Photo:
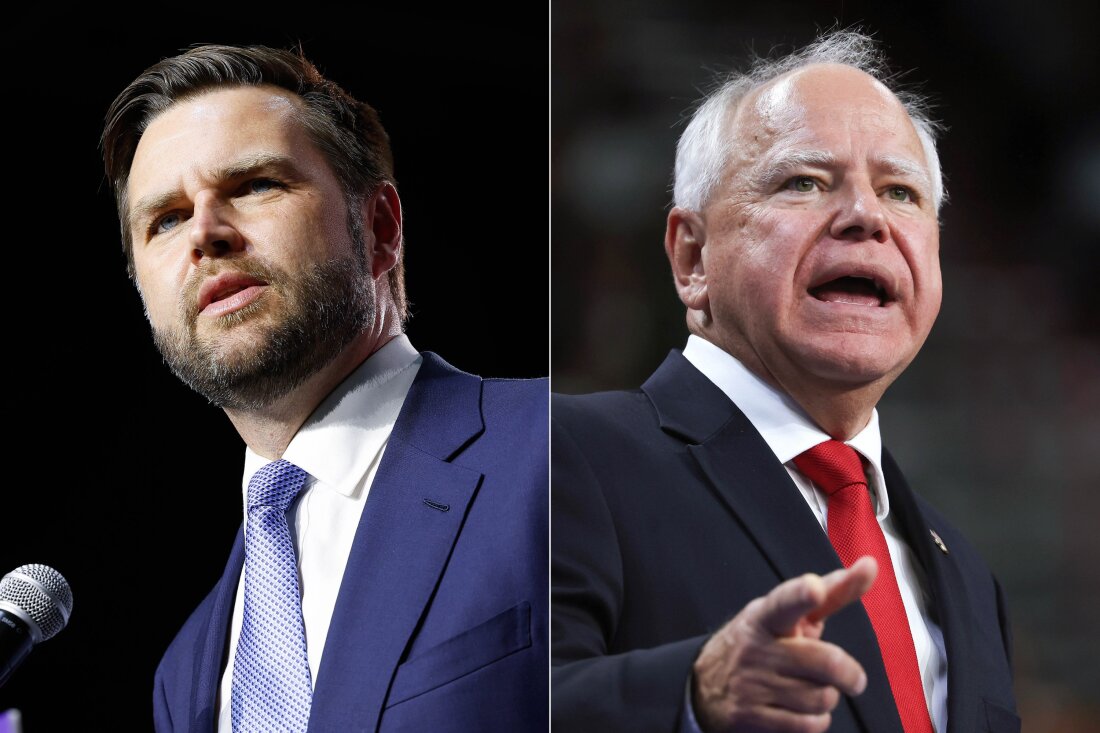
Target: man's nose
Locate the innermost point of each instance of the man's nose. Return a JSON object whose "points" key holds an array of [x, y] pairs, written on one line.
{"points": [[212, 232], [861, 215]]}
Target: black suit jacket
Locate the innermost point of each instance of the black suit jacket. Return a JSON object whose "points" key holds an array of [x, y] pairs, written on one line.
{"points": [[670, 513]]}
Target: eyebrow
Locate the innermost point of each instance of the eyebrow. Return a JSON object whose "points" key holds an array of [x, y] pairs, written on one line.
{"points": [[899, 166], [251, 164], [785, 162], [791, 160], [147, 206]]}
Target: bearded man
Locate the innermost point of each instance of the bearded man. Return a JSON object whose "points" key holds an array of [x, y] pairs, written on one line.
{"points": [[390, 573]]}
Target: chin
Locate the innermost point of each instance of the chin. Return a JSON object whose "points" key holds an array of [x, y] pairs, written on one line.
{"points": [[857, 361]]}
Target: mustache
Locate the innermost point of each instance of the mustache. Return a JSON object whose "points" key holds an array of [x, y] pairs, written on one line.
{"points": [[189, 295]]}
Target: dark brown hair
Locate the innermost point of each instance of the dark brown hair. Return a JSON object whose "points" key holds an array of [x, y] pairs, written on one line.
{"points": [[347, 131]]}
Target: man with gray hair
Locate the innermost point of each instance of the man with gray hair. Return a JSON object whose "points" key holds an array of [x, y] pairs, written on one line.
{"points": [[732, 548]]}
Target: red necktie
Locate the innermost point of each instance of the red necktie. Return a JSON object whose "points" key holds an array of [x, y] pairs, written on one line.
{"points": [[855, 532]]}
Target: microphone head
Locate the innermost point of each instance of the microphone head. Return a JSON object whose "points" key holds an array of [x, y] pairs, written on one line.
{"points": [[40, 596]]}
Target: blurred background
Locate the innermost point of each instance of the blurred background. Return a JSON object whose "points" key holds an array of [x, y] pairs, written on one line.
{"points": [[118, 475], [997, 422]]}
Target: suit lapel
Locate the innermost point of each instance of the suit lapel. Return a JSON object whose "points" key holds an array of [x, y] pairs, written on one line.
{"points": [[410, 522], [946, 586], [211, 648], [759, 493]]}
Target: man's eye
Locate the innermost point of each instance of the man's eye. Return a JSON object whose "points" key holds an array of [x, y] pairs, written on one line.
{"points": [[801, 184], [899, 193], [261, 185], [166, 222]]}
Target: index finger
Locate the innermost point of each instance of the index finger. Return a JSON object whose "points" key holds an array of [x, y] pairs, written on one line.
{"points": [[788, 603], [814, 597], [844, 586]]}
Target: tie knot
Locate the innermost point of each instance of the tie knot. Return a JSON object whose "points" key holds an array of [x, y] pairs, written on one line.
{"points": [[832, 465], [276, 485]]}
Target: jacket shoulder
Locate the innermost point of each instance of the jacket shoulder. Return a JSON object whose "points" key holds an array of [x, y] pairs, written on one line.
{"points": [[511, 395], [603, 414], [517, 405]]}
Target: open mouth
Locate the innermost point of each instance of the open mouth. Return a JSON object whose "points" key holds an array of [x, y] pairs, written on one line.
{"points": [[229, 291], [851, 289], [223, 291]]}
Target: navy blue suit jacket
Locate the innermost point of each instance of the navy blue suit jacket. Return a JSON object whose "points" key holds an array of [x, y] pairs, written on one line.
{"points": [[440, 623], [670, 513]]}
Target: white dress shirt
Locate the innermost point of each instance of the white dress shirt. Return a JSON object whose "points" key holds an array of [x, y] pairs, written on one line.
{"points": [[340, 447], [788, 431]]}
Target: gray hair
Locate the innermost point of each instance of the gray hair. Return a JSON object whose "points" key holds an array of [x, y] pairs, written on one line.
{"points": [[703, 149]]}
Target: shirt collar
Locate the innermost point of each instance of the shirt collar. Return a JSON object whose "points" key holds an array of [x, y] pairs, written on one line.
{"points": [[783, 424], [344, 435]]}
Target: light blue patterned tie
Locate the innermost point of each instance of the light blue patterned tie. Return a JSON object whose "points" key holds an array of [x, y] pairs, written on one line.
{"points": [[272, 687]]}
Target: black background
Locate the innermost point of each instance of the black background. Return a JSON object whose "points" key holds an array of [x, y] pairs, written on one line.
{"points": [[119, 476]]}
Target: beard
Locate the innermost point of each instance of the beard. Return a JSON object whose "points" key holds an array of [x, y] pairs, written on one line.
{"points": [[319, 311]]}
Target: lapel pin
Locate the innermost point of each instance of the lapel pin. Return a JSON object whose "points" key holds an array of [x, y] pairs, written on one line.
{"points": [[938, 541]]}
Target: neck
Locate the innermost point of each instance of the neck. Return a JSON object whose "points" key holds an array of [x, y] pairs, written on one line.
{"points": [[840, 408], [269, 430], [841, 414]]}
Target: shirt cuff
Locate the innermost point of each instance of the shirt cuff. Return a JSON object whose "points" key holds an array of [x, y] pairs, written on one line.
{"points": [[688, 723]]}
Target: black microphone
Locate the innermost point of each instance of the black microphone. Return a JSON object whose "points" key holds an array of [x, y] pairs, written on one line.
{"points": [[35, 603]]}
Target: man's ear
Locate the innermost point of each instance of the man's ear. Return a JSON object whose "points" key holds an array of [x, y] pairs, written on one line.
{"points": [[685, 236], [382, 228]]}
